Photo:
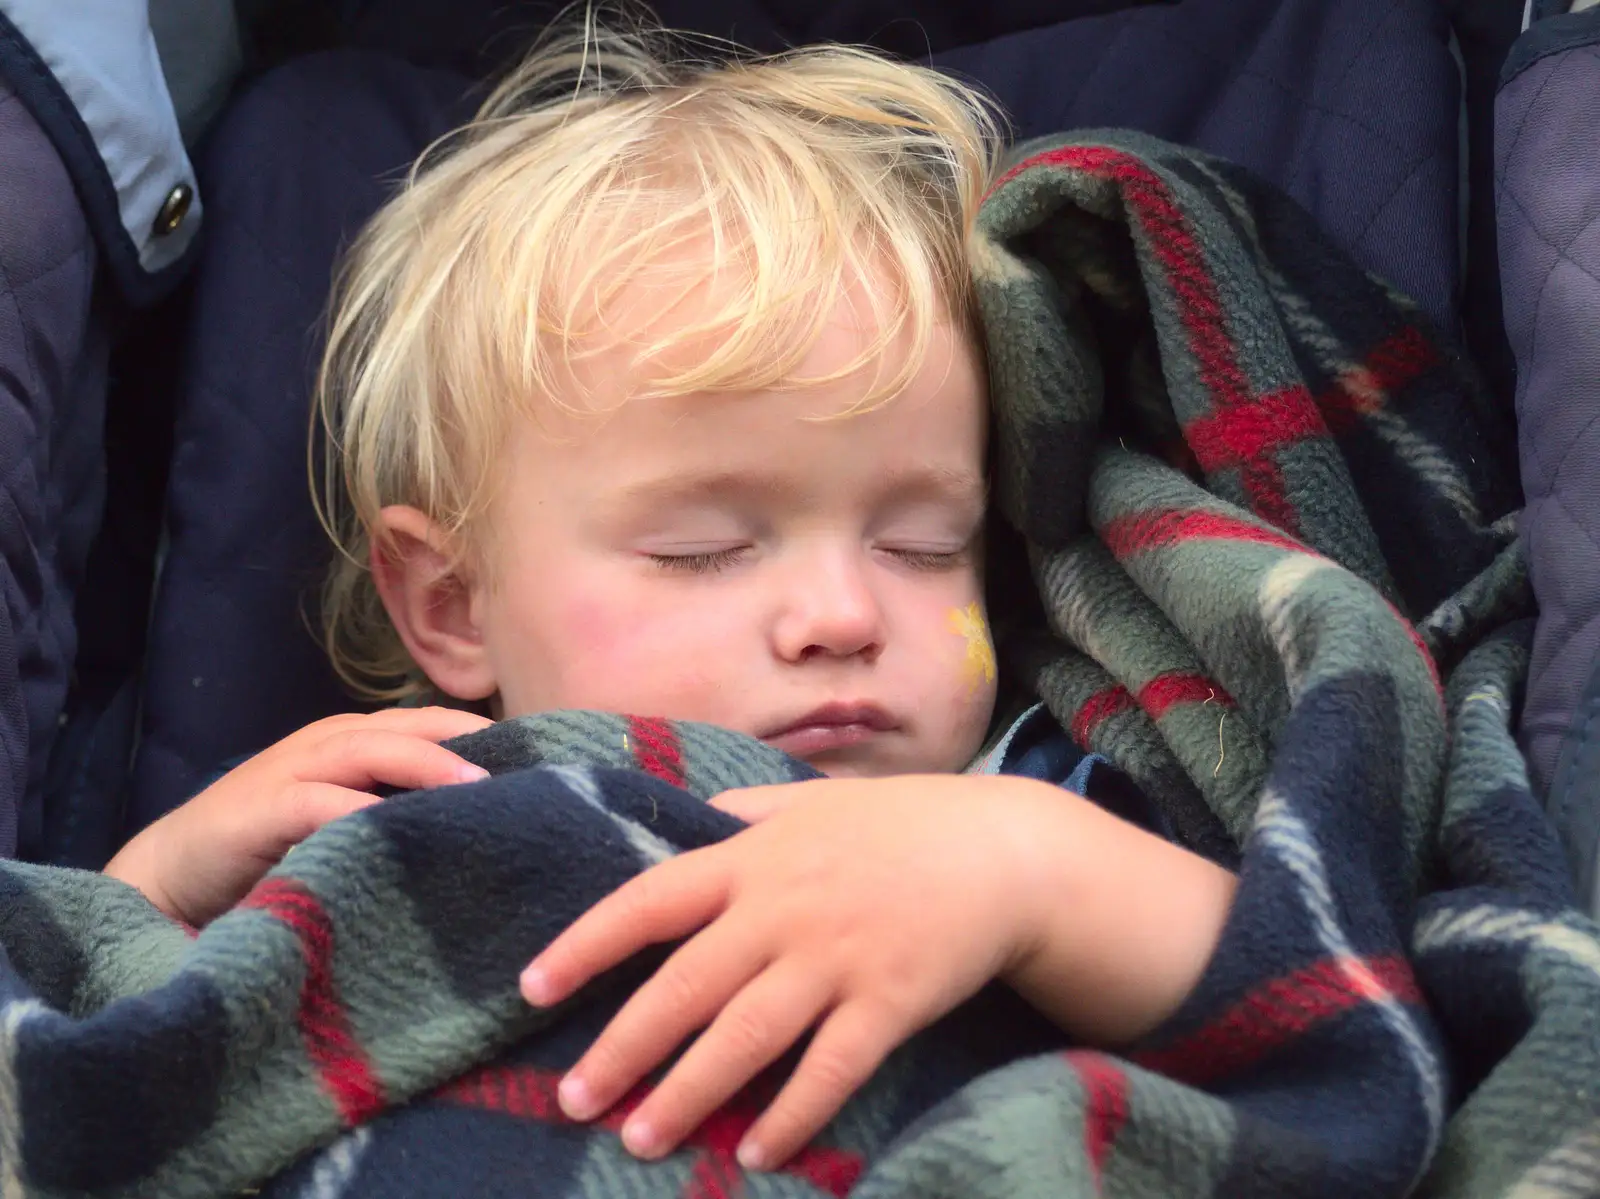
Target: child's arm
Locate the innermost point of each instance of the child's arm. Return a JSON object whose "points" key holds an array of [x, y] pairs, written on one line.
{"points": [[1132, 928], [867, 909], [199, 860]]}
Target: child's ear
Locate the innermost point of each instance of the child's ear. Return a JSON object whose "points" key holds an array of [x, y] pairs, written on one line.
{"points": [[432, 600]]}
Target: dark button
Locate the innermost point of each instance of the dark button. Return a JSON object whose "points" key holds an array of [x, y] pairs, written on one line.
{"points": [[173, 209]]}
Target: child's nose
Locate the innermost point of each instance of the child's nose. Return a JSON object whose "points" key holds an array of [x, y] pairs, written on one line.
{"points": [[829, 609]]}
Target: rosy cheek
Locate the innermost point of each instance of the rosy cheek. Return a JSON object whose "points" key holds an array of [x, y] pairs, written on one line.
{"points": [[647, 657], [591, 624], [604, 634]]}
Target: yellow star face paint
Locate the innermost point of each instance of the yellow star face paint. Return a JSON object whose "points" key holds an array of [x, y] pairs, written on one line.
{"points": [[978, 665]]}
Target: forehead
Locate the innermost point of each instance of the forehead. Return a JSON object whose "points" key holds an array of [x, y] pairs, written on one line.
{"points": [[701, 314], [837, 387], [805, 443]]}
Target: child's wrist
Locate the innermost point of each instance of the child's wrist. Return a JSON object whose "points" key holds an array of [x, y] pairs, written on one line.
{"points": [[136, 864], [1048, 866], [1124, 927]]}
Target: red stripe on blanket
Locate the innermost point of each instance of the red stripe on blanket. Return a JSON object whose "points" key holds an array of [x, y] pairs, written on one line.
{"points": [[714, 1176], [1238, 436], [1105, 1089], [333, 1049], [1274, 1014], [519, 1091], [1096, 710], [1161, 527], [1394, 362], [656, 748], [1166, 691], [1232, 437], [1268, 494], [529, 1093]]}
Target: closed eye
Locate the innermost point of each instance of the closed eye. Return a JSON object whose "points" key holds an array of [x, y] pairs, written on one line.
{"points": [[707, 562], [933, 559]]}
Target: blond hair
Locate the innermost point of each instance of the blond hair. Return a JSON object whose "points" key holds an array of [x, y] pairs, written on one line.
{"points": [[470, 297]]}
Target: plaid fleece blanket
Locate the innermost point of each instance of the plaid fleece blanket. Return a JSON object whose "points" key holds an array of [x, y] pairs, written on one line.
{"points": [[1266, 569]]}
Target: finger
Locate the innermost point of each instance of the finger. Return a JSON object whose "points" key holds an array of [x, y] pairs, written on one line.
{"points": [[434, 723], [310, 806], [755, 804], [366, 757], [756, 1028], [452, 722], [685, 994], [666, 902], [848, 1048]]}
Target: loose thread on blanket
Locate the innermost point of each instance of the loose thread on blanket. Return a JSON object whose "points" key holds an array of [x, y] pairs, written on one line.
{"points": [[655, 807], [1222, 749]]}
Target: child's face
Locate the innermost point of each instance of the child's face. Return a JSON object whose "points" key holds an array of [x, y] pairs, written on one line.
{"points": [[723, 558]]}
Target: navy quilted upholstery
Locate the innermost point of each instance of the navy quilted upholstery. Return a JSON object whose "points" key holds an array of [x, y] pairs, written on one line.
{"points": [[1350, 105], [53, 353], [1548, 193], [291, 172]]}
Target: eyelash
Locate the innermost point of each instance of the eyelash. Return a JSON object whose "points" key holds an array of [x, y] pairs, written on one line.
{"points": [[719, 560], [699, 564], [930, 560]]}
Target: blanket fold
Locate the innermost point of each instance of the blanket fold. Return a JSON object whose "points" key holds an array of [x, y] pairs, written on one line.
{"points": [[1271, 577]]}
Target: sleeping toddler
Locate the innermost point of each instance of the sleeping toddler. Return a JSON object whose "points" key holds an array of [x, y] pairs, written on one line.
{"points": [[658, 389]]}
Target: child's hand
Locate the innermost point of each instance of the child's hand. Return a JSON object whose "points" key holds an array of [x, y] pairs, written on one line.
{"points": [[199, 860], [864, 908], [755, 804]]}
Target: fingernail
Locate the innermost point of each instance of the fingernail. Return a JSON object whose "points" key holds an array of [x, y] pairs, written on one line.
{"points": [[639, 1138], [471, 774], [573, 1095], [751, 1156], [536, 988]]}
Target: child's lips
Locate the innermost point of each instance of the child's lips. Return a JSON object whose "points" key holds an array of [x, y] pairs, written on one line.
{"points": [[812, 740], [830, 727]]}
